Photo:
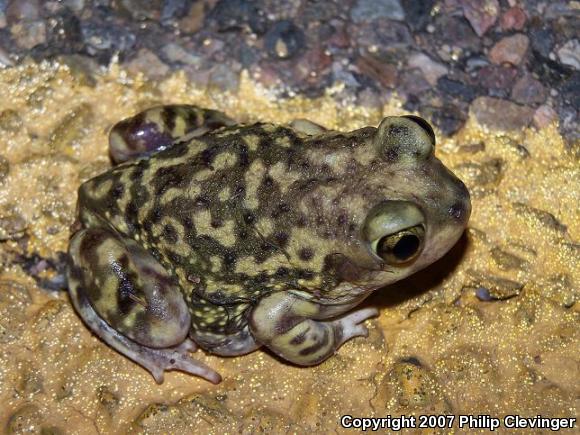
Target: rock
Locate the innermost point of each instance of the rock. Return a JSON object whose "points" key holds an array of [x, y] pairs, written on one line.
{"points": [[456, 32], [542, 38], [497, 288], [103, 39], [224, 78], [410, 387], [510, 49], [83, 68], [497, 79], [501, 114], [148, 63], [544, 218], [382, 38], [64, 34], [513, 19], [175, 53], [12, 224], [570, 90], [544, 116], [569, 54], [26, 419], [431, 70], [508, 261], [369, 10], [174, 9], [528, 90], [456, 89], [108, 399], [413, 83], [141, 9], [481, 14], [29, 34], [236, 14], [193, 20], [10, 121], [284, 40], [513, 146], [3, 21], [417, 12], [448, 118], [383, 73], [22, 10]]}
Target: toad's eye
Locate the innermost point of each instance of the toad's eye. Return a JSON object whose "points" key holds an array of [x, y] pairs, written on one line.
{"points": [[395, 232], [400, 247]]}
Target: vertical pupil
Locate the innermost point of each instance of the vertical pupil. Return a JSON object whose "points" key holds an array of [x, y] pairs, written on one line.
{"points": [[406, 246]]}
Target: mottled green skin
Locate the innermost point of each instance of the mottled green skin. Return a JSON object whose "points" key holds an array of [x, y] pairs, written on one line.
{"points": [[247, 211]]}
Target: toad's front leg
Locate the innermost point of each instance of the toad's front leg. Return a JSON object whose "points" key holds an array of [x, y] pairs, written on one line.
{"points": [[128, 299], [285, 324]]}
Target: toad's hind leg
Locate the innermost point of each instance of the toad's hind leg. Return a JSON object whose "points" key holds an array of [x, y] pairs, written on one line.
{"points": [[157, 128], [128, 299], [298, 330]]}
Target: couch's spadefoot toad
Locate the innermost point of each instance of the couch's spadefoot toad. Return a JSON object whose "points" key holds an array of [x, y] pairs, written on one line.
{"points": [[230, 237]]}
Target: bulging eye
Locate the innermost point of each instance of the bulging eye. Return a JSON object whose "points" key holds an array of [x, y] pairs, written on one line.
{"points": [[400, 247]]}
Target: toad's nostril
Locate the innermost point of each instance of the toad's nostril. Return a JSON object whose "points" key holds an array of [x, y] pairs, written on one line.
{"points": [[457, 211]]}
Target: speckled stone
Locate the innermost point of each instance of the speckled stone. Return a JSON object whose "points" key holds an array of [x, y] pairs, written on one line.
{"points": [[510, 49], [501, 114]]}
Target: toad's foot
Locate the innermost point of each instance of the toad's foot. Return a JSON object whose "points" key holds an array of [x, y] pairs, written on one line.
{"points": [[156, 361], [351, 326]]}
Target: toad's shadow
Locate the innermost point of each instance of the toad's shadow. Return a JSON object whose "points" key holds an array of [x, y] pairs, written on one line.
{"points": [[422, 281]]}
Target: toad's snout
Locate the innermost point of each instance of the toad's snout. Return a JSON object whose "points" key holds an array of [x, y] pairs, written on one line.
{"points": [[460, 209]]}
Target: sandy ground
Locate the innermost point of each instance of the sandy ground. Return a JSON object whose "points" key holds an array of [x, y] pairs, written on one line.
{"points": [[493, 328]]}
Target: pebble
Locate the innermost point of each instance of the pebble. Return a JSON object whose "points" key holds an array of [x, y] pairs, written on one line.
{"points": [[501, 114], [12, 224], [64, 33], [369, 10], [542, 38], [29, 34], [224, 78], [456, 32], [141, 9], [528, 90], [510, 49], [430, 69], [544, 116], [193, 20], [569, 54], [3, 20], [513, 19], [104, 39], [175, 53], [236, 14], [284, 40], [381, 72], [497, 79], [10, 121], [418, 12], [22, 10], [542, 217], [481, 14], [448, 118], [26, 419], [456, 89], [148, 63]]}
